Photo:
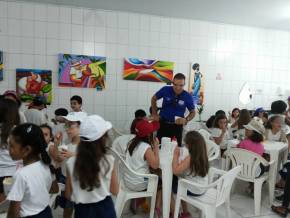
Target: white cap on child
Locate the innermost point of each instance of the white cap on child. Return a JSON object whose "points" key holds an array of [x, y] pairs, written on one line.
{"points": [[93, 127], [75, 116]]}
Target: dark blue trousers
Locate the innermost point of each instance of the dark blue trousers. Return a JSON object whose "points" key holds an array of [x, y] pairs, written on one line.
{"points": [[101, 209]]}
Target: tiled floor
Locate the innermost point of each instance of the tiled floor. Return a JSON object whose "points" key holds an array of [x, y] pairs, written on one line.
{"points": [[242, 206]]}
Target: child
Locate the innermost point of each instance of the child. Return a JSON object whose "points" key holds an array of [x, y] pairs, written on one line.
{"points": [[237, 128], [49, 139], [279, 108], [9, 117], [254, 136], [72, 125], [35, 113], [143, 153], [10, 94], [259, 115], [274, 130], [29, 195], [91, 177], [76, 103], [219, 132], [194, 167], [139, 115], [234, 116], [59, 123]]}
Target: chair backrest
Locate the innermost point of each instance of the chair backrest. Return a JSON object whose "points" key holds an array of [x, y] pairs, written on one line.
{"points": [[248, 160], [224, 185], [213, 150], [124, 171], [120, 144], [113, 134], [206, 135]]}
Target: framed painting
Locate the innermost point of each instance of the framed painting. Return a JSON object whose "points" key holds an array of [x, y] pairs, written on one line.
{"points": [[148, 70], [33, 82], [82, 71]]}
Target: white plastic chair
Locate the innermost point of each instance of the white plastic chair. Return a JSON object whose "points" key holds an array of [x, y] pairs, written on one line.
{"points": [[213, 150], [206, 135], [113, 134], [216, 193], [250, 163], [125, 194], [120, 144]]}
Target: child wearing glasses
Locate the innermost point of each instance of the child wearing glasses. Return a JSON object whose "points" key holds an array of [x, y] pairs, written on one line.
{"points": [[72, 126]]}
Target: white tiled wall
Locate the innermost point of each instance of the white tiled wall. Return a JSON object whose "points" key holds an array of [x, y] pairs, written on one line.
{"points": [[31, 36]]}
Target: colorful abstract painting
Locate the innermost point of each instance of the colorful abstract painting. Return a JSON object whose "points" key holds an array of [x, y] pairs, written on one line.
{"points": [[33, 82], [1, 66], [148, 70], [82, 71]]}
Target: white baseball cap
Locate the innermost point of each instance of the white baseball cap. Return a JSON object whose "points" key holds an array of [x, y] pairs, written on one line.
{"points": [[255, 126], [75, 116], [93, 127]]}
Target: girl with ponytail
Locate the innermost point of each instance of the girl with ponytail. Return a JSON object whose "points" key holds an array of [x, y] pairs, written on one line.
{"points": [[29, 195]]}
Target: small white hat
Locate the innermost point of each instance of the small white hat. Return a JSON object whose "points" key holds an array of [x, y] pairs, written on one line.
{"points": [[93, 127], [255, 126], [75, 116]]}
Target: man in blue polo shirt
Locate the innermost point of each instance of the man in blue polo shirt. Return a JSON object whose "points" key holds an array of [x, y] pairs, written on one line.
{"points": [[175, 102]]}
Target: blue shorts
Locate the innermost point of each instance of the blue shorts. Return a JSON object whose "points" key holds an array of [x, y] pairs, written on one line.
{"points": [[46, 213], [101, 209]]}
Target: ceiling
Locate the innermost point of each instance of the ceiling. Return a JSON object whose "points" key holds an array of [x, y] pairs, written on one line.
{"points": [[274, 14]]}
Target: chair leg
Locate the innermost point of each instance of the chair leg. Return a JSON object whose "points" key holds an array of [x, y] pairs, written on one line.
{"points": [[257, 196], [210, 213], [152, 209], [228, 208], [177, 207], [120, 203], [271, 184]]}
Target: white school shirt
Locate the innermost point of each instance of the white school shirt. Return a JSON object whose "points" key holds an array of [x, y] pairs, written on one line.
{"points": [[137, 163], [7, 165], [273, 137], [72, 148], [59, 128], [278, 137], [187, 175], [82, 196], [285, 127], [35, 116], [216, 132], [31, 185], [197, 179], [22, 117]]}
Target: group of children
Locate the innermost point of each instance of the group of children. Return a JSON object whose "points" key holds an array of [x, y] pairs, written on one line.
{"points": [[35, 157], [73, 150]]}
